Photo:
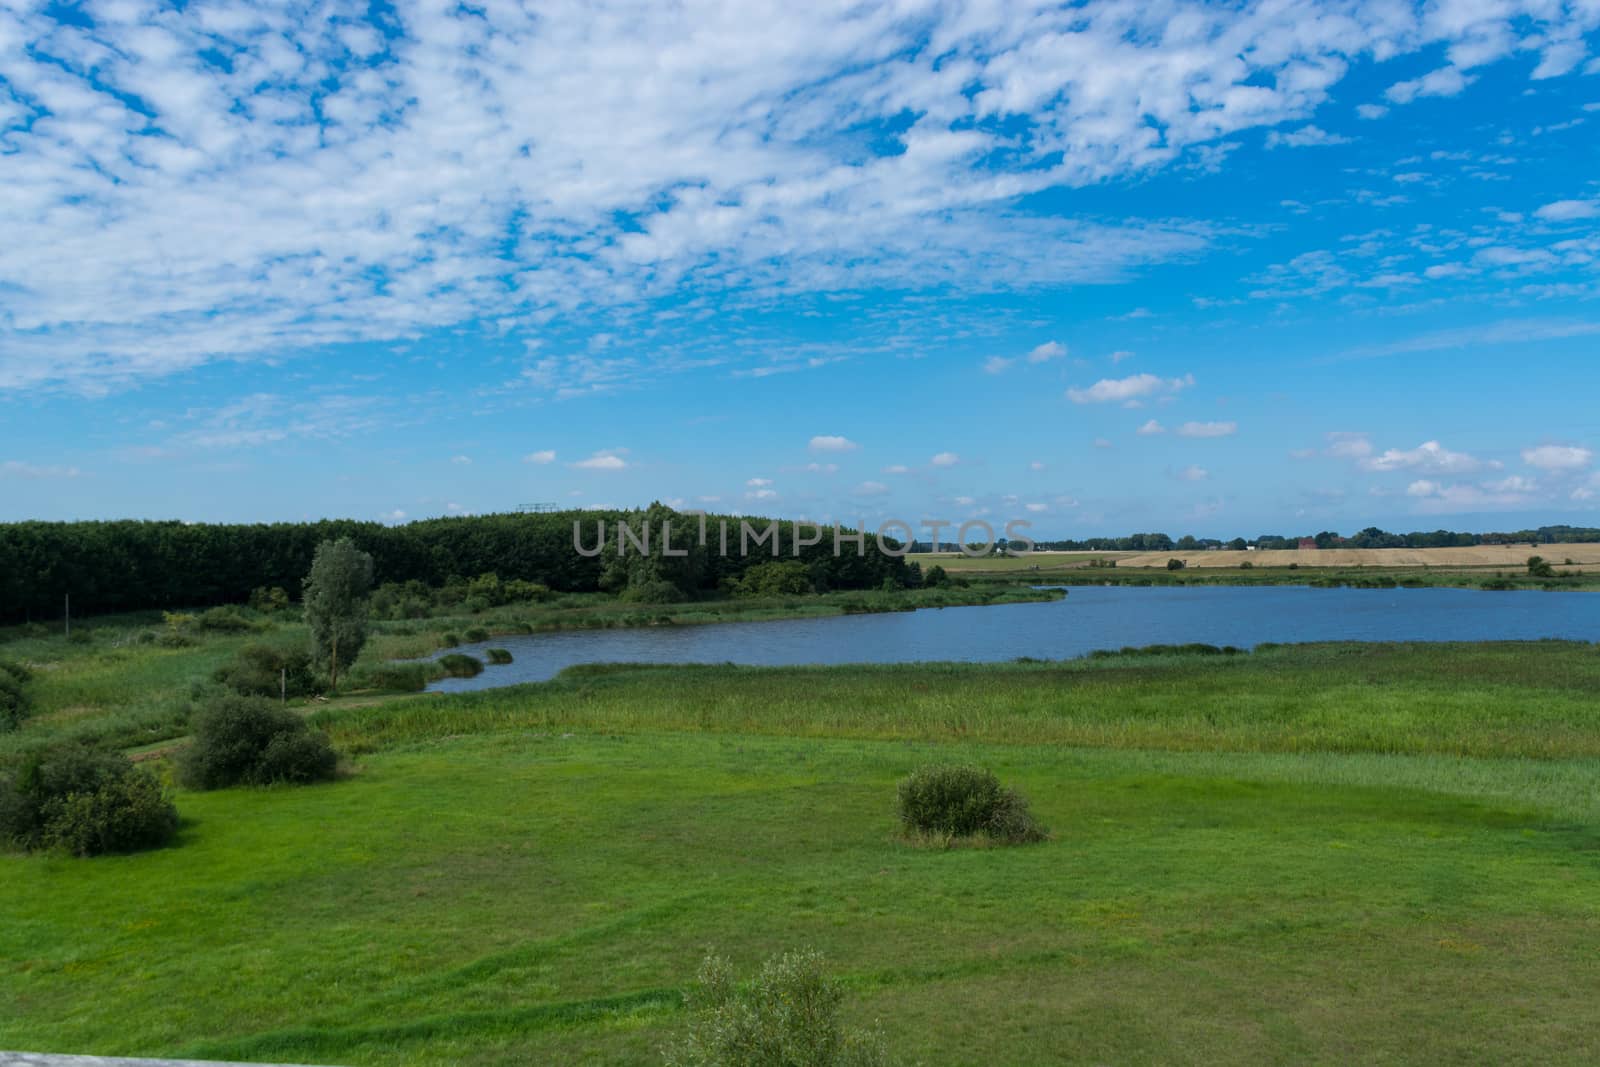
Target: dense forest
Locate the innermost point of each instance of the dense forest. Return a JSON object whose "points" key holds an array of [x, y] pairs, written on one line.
{"points": [[135, 565], [1371, 537]]}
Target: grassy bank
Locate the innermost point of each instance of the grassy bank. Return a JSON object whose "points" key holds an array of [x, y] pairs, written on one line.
{"points": [[127, 680], [1321, 853]]}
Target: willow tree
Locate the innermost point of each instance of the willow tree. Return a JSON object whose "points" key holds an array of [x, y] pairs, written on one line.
{"points": [[336, 595]]}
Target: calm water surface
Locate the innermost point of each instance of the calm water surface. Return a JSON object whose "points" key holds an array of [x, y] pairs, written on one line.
{"points": [[1091, 617]]}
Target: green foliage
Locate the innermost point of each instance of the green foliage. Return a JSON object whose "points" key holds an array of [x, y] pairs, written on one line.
{"points": [[15, 670], [653, 592], [15, 704], [498, 656], [336, 593], [935, 577], [1539, 567], [400, 677], [774, 579], [954, 801], [267, 599], [250, 741], [1191, 649], [228, 619], [461, 665], [260, 670], [1176, 564], [84, 802], [477, 633], [1246, 566], [787, 1017]]}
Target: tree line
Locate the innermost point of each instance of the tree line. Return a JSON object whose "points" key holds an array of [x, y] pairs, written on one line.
{"points": [[1371, 537], [131, 565]]}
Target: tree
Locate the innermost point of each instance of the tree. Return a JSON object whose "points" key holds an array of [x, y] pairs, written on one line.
{"points": [[335, 594]]}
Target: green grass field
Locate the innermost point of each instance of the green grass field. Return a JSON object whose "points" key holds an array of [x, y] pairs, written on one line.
{"points": [[1318, 854]]}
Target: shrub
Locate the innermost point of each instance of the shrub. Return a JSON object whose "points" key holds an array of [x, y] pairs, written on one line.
{"points": [[1247, 566], [14, 703], [449, 640], [461, 665], [227, 619], [1539, 567], [498, 656], [16, 670], [260, 670], [265, 599], [86, 803], [241, 740], [788, 1016], [774, 579], [1175, 564], [477, 633], [935, 577], [959, 801], [404, 677], [656, 592]]}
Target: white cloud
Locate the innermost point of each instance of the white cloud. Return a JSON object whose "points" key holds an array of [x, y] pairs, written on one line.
{"points": [[1208, 429], [1036, 465], [1304, 137], [1343, 444], [396, 189], [826, 443], [1046, 352], [822, 468], [602, 461], [1423, 487], [871, 489], [757, 483], [1428, 456], [1120, 355], [897, 468], [1569, 210], [1516, 483], [1558, 457], [547, 455], [1036, 508], [1110, 390], [1371, 111], [1446, 81], [13, 468], [997, 364], [1102, 442], [1194, 474], [945, 459], [1150, 429], [461, 461], [762, 494]]}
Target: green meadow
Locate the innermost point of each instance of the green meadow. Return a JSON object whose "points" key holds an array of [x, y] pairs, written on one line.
{"points": [[1328, 854]]}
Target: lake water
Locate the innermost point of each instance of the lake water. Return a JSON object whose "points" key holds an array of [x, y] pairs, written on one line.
{"points": [[1090, 618]]}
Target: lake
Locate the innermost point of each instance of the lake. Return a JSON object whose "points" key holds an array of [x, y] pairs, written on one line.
{"points": [[1090, 618]]}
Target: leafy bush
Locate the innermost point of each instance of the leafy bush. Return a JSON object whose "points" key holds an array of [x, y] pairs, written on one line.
{"points": [[935, 577], [787, 1017], [265, 599], [656, 592], [16, 670], [1247, 566], [959, 801], [260, 670], [477, 633], [1176, 564], [498, 656], [404, 677], [778, 578], [227, 619], [14, 703], [241, 740], [461, 665], [86, 803], [1539, 567]]}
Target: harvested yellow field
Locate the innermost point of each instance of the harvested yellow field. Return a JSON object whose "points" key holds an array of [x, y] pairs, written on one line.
{"points": [[1507, 556]]}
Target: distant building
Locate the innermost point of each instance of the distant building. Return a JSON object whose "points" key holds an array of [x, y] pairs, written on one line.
{"points": [[1308, 542]]}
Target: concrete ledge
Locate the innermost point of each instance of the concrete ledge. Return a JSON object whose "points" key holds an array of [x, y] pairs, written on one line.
{"points": [[46, 1059]]}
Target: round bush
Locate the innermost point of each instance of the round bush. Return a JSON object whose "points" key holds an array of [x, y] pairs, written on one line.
{"points": [[477, 633], [250, 741], [498, 656], [461, 665], [961, 801], [260, 670], [85, 802], [14, 703]]}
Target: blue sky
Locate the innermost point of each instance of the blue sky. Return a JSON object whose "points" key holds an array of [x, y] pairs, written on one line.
{"points": [[1194, 268]]}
